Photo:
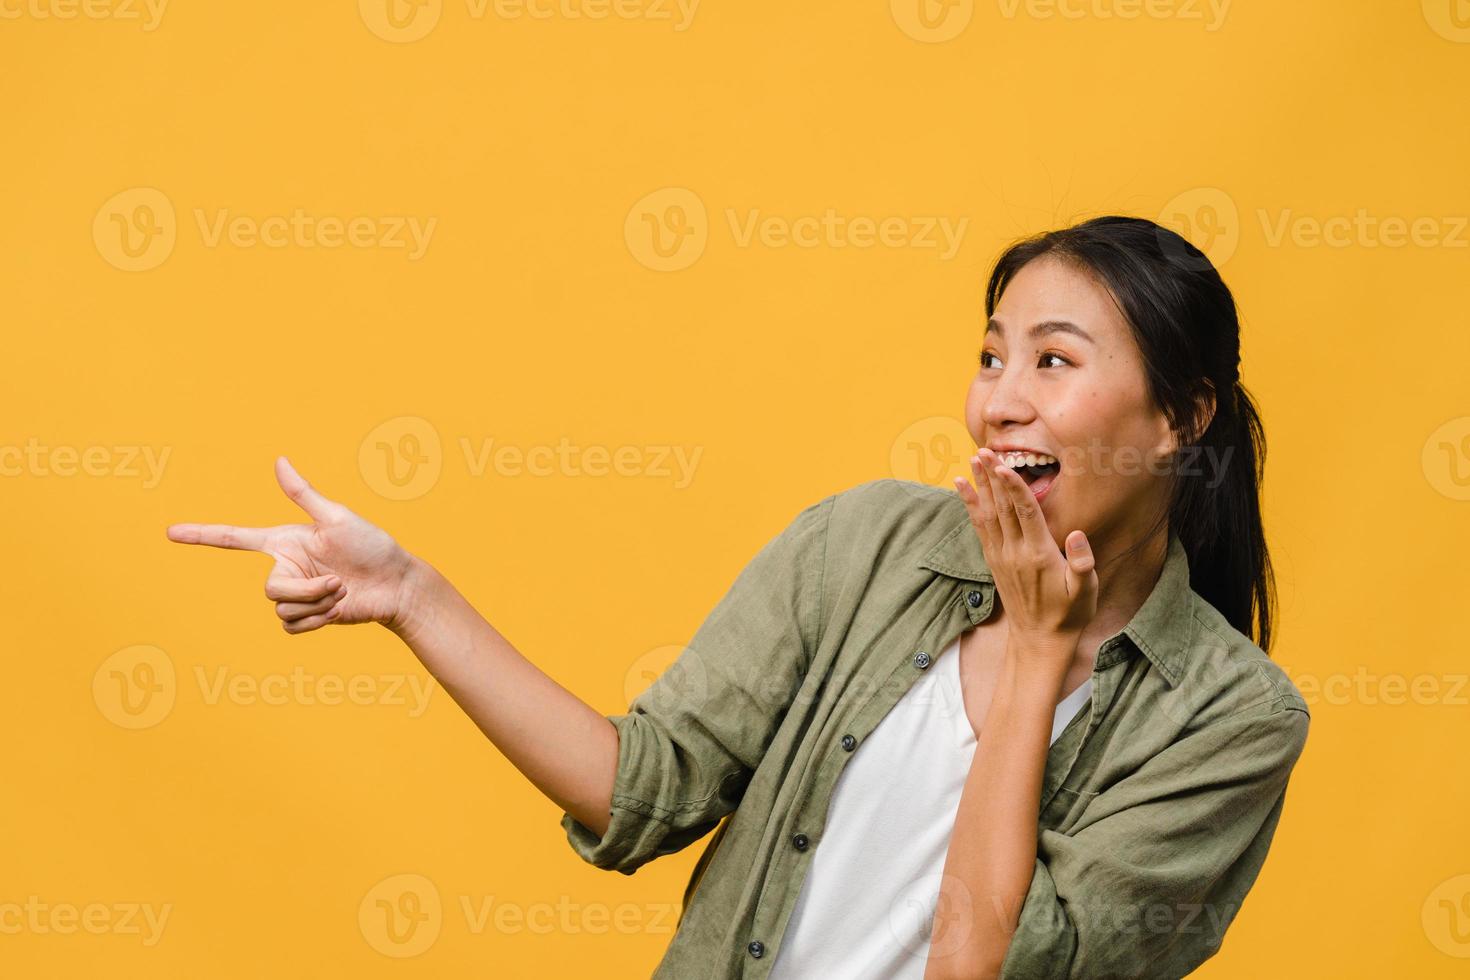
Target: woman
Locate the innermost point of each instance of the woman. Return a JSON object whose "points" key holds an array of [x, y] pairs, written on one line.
{"points": [[888, 703]]}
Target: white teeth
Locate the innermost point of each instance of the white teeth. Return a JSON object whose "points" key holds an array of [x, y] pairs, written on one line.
{"points": [[1016, 460]]}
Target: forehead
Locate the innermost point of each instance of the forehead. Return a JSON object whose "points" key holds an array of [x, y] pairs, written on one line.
{"points": [[1051, 288]]}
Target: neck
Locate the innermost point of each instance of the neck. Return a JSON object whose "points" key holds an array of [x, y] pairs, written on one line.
{"points": [[1124, 581]]}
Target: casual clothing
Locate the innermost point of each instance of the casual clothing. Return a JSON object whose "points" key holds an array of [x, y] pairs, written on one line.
{"points": [[866, 907], [1157, 807]]}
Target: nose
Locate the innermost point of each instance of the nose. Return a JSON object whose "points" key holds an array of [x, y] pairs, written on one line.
{"points": [[1008, 402]]}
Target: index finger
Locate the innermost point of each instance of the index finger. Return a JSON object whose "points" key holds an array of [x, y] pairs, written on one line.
{"points": [[220, 536], [1028, 512]]}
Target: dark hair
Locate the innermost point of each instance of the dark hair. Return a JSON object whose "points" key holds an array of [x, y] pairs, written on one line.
{"points": [[1184, 321]]}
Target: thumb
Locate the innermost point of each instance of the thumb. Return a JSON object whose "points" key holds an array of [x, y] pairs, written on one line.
{"points": [[301, 492], [1081, 573]]}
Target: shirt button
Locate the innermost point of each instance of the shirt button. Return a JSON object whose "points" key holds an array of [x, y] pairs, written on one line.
{"points": [[921, 660], [849, 743], [800, 842], [757, 949], [974, 599]]}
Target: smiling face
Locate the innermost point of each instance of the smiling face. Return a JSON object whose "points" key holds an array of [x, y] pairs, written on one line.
{"points": [[1060, 373]]}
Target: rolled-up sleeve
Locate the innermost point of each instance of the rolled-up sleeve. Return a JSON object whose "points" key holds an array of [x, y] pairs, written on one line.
{"points": [[689, 744], [1147, 881]]}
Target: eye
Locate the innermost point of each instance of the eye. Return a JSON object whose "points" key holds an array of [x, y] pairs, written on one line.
{"points": [[983, 355], [1056, 355]]}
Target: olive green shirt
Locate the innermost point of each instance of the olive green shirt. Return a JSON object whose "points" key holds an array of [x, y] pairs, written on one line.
{"points": [[1158, 801]]}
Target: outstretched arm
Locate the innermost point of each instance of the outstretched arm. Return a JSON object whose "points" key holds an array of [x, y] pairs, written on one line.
{"points": [[340, 569]]}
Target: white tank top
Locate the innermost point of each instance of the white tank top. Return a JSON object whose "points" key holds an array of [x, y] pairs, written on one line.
{"points": [[866, 906]]}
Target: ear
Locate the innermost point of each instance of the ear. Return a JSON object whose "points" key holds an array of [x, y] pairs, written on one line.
{"points": [[1204, 411], [1172, 440]]}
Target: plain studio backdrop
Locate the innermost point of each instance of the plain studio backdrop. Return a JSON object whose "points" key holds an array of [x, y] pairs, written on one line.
{"points": [[583, 302]]}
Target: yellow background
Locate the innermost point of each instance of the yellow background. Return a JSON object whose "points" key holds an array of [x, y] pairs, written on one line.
{"points": [[536, 315]]}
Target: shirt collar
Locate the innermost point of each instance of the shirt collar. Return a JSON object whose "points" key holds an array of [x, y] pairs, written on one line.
{"points": [[1160, 629]]}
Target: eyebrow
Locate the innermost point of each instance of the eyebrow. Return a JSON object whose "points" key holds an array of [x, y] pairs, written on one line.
{"points": [[1045, 327]]}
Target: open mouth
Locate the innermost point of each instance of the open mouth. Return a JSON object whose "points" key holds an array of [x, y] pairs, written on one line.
{"points": [[1039, 470]]}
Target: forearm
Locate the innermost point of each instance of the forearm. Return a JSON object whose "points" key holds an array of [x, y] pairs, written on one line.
{"points": [[560, 743], [992, 852]]}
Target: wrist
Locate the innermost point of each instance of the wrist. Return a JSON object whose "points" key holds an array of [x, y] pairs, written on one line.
{"points": [[1046, 656], [417, 591]]}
